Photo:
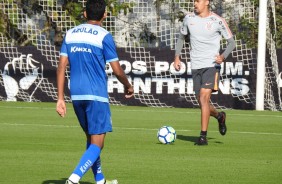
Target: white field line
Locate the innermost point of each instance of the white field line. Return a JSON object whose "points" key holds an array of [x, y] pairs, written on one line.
{"points": [[249, 115], [127, 128], [147, 111]]}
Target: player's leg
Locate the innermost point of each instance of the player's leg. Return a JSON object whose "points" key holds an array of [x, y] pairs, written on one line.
{"points": [[213, 111], [92, 116], [96, 167], [103, 124], [197, 83], [204, 99], [88, 158], [97, 171], [220, 116], [209, 84]]}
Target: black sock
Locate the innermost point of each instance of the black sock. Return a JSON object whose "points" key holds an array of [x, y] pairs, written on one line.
{"points": [[203, 133]]}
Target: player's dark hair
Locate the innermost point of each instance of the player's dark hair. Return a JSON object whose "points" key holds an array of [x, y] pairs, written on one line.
{"points": [[95, 9]]}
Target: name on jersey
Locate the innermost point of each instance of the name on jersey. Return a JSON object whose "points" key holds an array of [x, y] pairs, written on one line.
{"points": [[80, 49], [85, 30]]}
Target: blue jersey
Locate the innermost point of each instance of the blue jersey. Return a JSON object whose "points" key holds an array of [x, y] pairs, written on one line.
{"points": [[88, 48]]}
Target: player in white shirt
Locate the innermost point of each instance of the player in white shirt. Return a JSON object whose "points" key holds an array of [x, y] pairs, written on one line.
{"points": [[205, 30]]}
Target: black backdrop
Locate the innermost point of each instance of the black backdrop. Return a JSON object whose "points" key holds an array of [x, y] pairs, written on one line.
{"points": [[240, 79]]}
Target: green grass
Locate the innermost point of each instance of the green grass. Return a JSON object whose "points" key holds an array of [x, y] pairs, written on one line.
{"points": [[39, 147]]}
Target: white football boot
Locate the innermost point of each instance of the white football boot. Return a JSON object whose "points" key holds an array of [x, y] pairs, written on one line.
{"points": [[111, 182]]}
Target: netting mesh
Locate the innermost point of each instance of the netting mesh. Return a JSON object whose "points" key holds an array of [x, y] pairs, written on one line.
{"points": [[145, 24], [272, 70]]}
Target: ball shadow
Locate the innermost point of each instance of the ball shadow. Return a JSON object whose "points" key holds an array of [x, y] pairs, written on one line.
{"points": [[61, 181]]}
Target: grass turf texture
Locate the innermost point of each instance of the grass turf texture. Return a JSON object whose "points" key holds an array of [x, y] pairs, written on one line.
{"points": [[39, 147]]}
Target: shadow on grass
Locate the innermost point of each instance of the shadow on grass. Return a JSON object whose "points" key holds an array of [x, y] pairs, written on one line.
{"points": [[187, 138], [194, 138], [61, 181]]}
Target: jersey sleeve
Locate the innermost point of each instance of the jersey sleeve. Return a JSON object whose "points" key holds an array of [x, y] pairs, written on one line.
{"points": [[109, 49], [224, 29], [184, 26], [64, 51]]}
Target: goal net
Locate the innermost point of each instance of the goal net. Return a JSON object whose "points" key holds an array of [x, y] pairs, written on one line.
{"points": [[145, 32], [273, 78]]}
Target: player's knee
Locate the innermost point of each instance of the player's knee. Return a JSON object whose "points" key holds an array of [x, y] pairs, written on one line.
{"points": [[204, 99]]}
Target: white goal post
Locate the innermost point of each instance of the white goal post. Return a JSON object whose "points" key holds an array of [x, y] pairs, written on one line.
{"points": [[261, 55]]}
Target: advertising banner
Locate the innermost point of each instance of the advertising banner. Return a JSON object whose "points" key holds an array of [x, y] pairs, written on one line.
{"points": [[28, 75]]}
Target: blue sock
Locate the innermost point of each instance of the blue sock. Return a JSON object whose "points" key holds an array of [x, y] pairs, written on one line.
{"points": [[96, 168], [87, 160], [97, 171]]}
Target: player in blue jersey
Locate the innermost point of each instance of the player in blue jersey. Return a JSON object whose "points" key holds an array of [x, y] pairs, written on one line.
{"points": [[87, 48], [205, 30]]}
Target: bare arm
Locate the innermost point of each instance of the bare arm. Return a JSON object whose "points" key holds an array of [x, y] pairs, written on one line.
{"points": [[61, 106], [119, 73]]}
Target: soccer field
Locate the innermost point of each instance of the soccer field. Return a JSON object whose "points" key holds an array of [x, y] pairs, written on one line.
{"points": [[39, 147]]}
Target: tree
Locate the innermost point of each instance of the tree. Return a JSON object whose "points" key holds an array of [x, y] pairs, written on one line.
{"points": [[243, 28], [278, 23]]}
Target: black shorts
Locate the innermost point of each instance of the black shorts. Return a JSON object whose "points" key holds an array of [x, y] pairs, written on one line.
{"points": [[207, 78]]}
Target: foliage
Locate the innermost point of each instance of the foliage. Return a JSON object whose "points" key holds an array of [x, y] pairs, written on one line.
{"points": [[146, 36], [75, 10], [247, 30], [243, 28], [2, 23], [115, 7], [279, 23]]}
